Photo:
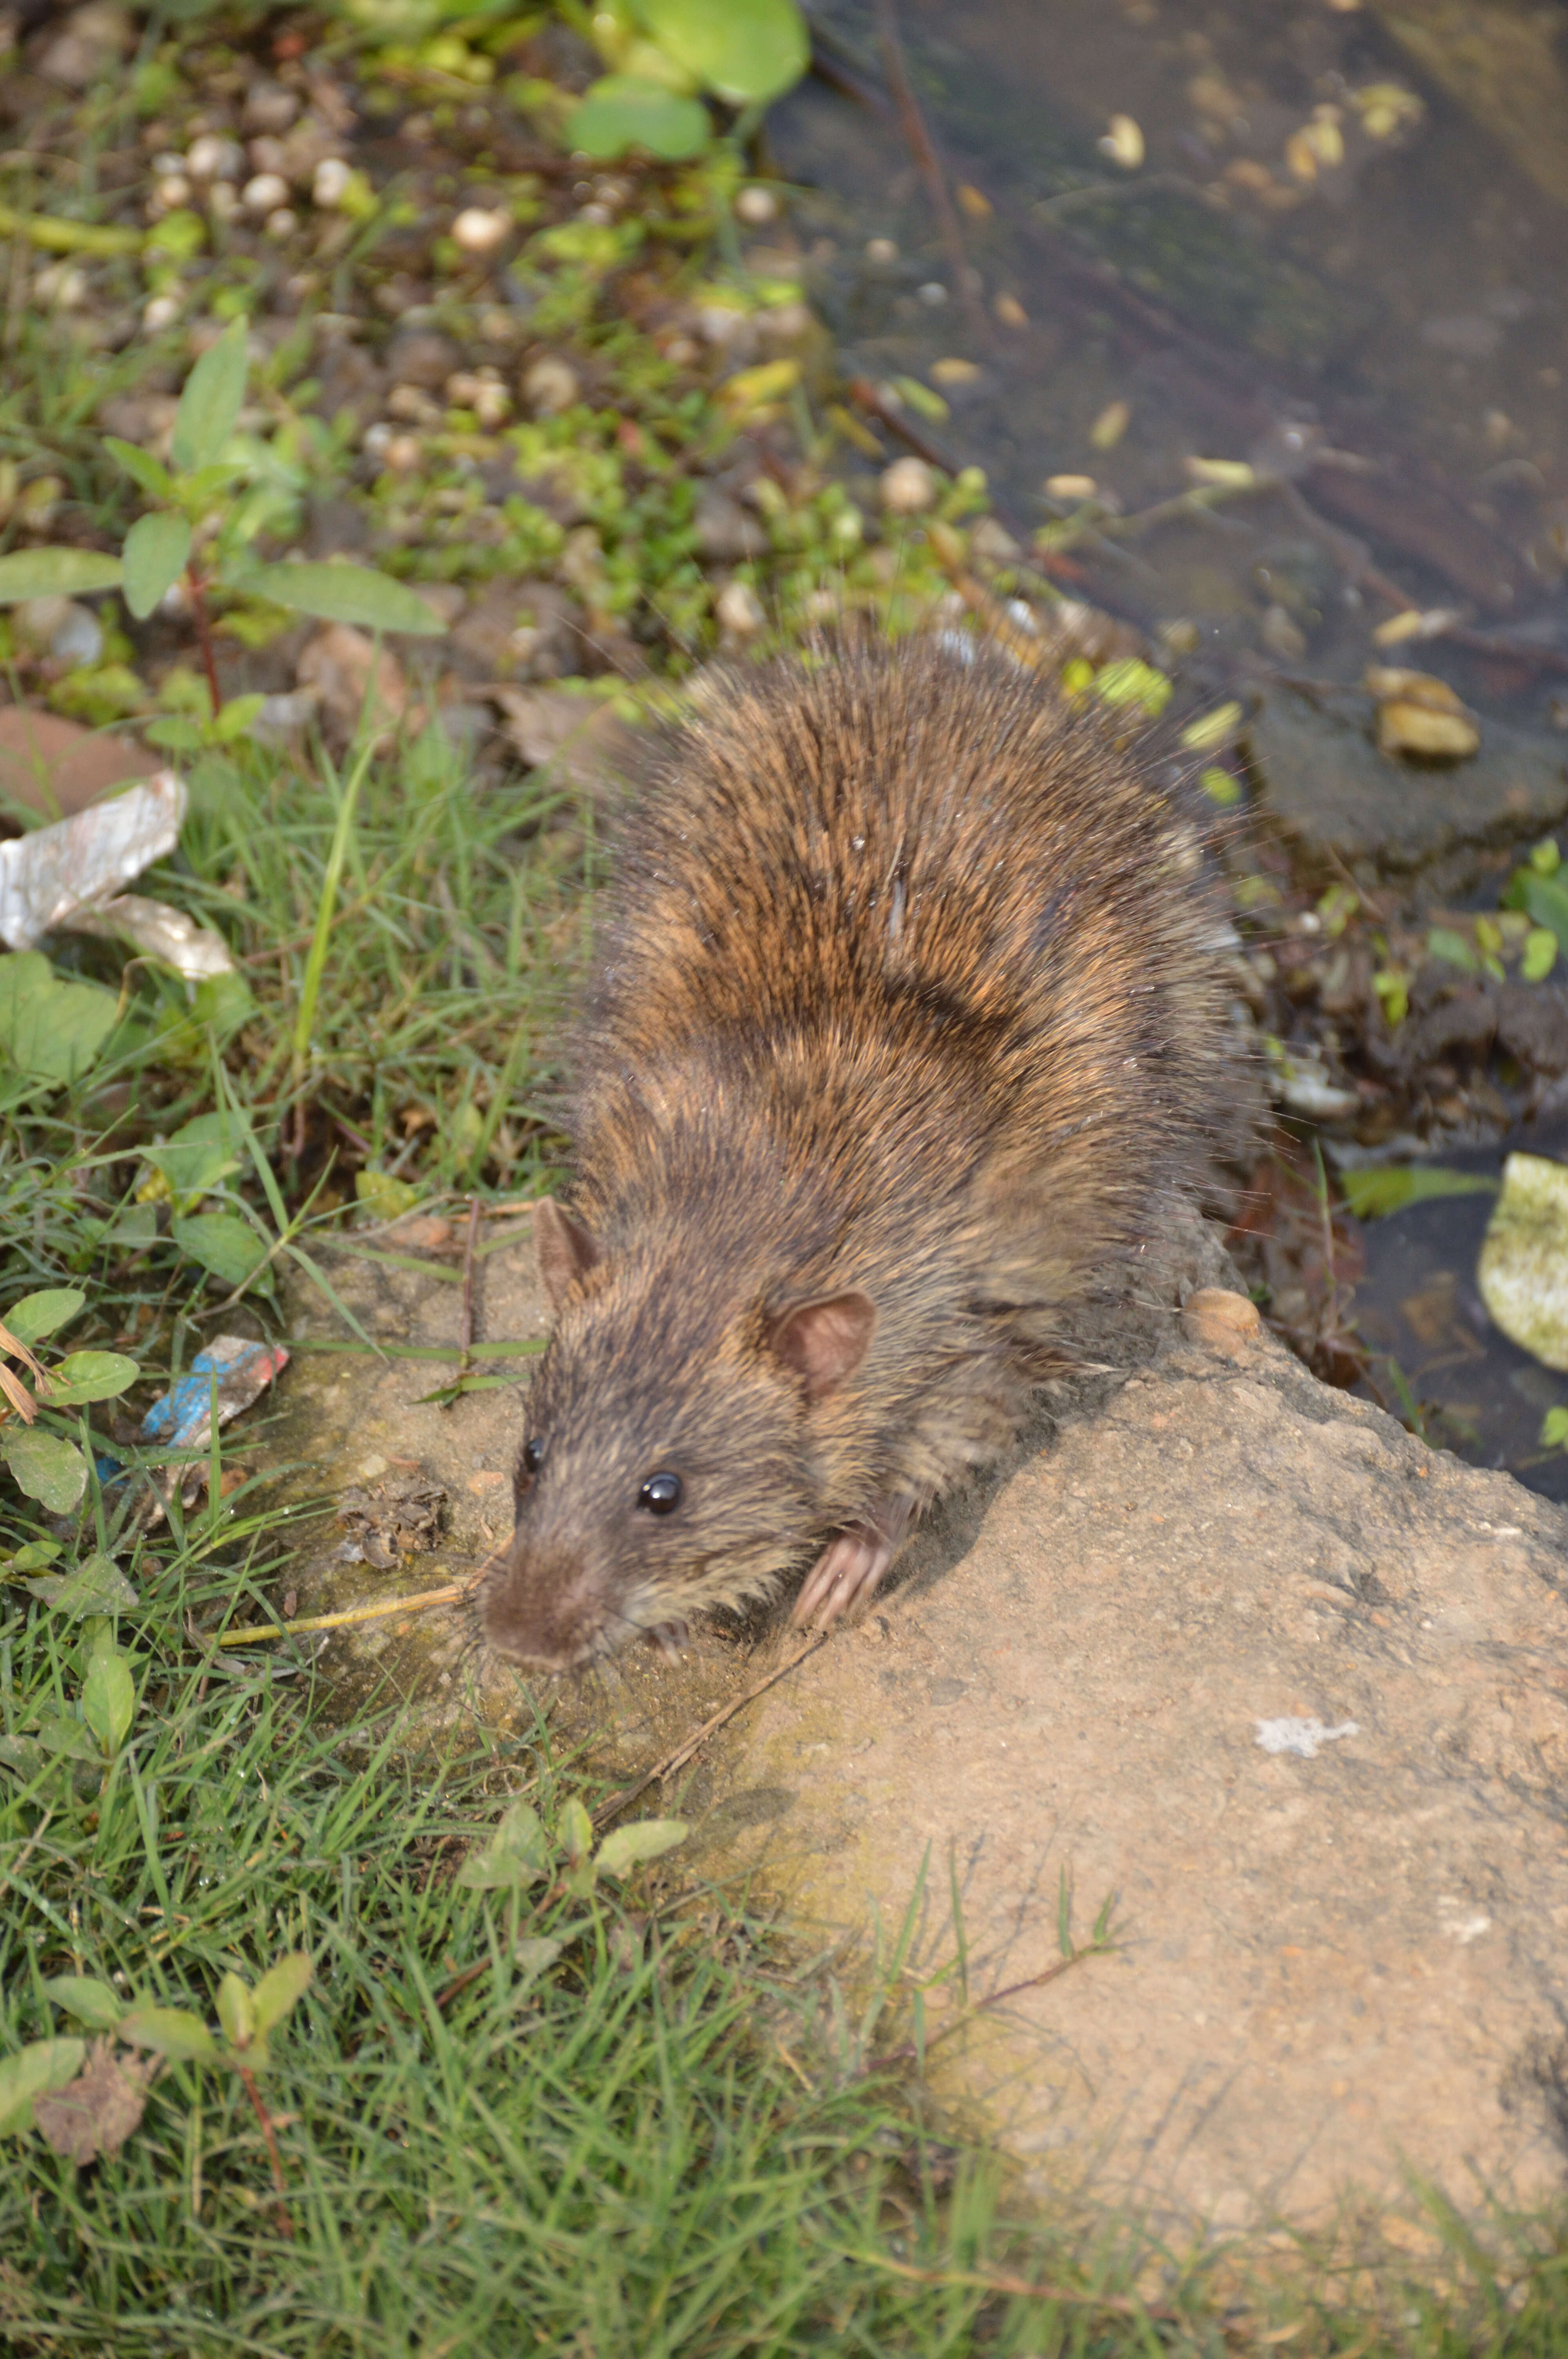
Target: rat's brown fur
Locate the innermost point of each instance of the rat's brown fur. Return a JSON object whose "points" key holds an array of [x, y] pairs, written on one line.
{"points": [[906, 1005]]}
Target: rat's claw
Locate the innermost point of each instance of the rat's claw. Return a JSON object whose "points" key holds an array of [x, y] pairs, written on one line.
{"points": [[848, 1569]]}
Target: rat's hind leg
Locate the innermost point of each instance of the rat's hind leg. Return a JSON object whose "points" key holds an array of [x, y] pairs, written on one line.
{"points": [[850, 1566]]}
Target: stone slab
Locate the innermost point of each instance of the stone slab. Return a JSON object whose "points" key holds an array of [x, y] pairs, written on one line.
{"points": [[1323, 782]]}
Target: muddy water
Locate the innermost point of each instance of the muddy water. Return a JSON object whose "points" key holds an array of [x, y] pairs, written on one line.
{"points": [[1342, 258]]}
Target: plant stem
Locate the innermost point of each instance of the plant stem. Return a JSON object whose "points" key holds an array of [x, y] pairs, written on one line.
{"points": [[286, 2225], [197, 589]]}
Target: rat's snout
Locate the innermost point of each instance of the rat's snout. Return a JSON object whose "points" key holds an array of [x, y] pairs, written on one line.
{"points": [[545, 1606]]}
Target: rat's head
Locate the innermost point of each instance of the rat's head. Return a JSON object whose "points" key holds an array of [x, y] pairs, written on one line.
{"points": [[672, 1457]]}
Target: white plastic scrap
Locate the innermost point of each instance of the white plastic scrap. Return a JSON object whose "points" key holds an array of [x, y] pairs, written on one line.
{"points": [[68, 876], [1303, 1736]]}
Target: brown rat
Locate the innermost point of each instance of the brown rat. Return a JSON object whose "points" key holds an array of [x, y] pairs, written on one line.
{"points": [[904, 1025]]}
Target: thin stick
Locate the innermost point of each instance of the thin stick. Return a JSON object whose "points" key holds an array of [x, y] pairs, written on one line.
{"points": [[415, 1605], [909, 2054], [924, 151], [465, 1332], [1017, 2289], [285, 2224], [196, 588], [683, 1753]]}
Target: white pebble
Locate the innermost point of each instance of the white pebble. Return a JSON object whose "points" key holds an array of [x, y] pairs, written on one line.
{"points": [[403, 453], [932, 293], [214, 159], [265, 193], [172, 192], [62, 286], [282, 224], [550, 386], [160, 312], [223, 200], [739, 610], [477, 231], [331, 181], [908, 487], [757, 206], [1123, 143], [880, 249]]}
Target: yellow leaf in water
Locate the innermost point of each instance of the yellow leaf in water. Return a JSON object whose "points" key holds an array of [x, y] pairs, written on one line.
{"points": [[973, 202], [1111, 425], [1123, 143]]}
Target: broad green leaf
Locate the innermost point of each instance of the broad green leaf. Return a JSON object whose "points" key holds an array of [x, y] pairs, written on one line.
{"points": [[282, 1986], [51, 1030], [32, 1558], [574, 1830], [622, 111], [1442, 942], [1522, 1273], [211, 402], [49, 1470], [58, 1734], [201, 1152], [175, 735], [90, 1377], [21, 1756], [1219, 786], [108, 1700], [95, 2003], [170, 2031], [1546, 899], [157, 550], [1554, 1429], [223, 1244], [95, 1586], [37, 1315], [236, 2011], [345, 594], [535, 1951], [149, 474], [517, 1852], [1541, 949], [1389, 1186], [55, 574], [238, 717], [384, 1195], [743, 50], [644, 1839], [45, 2065]]}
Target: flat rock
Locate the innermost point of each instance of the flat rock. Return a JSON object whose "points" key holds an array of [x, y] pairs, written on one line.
{"points": [[1237, 1654], [1224, 1648], [1325, 783]]}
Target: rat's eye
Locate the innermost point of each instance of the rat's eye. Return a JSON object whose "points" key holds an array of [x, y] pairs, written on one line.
{"points": [[532, 1456], [660, 1495]]}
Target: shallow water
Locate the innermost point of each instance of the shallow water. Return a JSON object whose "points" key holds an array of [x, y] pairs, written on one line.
{"points": [[1344, 259]]}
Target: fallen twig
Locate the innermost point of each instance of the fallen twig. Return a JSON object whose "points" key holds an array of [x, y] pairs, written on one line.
{"points": [[908, 2053], [671, 1762], [923, 148], [415, 1605]]}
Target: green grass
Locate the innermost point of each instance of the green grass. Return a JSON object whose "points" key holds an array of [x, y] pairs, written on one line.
{"points": [[658, 2143]]}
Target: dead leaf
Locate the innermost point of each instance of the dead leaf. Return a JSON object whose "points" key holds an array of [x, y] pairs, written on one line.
{"points": [[96, 2112], [53, 767], [340, 664]]}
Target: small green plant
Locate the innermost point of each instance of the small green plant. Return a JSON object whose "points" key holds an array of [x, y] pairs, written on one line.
{"points": [[663, 53], [41, 1461], [198, 534], [520, 1852]]}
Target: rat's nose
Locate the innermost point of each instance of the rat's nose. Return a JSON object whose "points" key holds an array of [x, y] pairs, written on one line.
{"points": [[542, 1608]]}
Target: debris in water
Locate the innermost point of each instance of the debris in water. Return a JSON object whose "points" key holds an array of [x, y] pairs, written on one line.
{"points": [[1522, 1273]]}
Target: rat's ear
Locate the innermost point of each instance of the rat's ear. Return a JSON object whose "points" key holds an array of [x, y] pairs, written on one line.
{"points": [[565, 1250], [825, 1342]]}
